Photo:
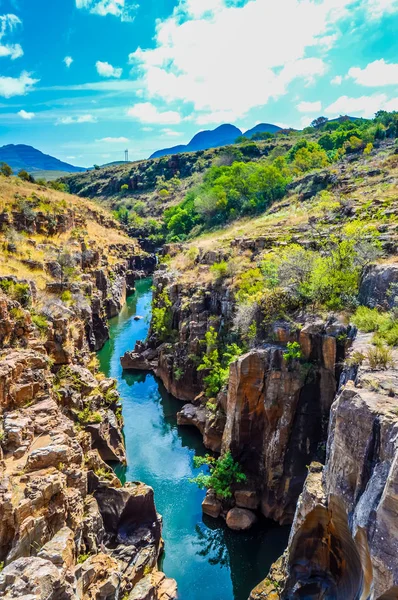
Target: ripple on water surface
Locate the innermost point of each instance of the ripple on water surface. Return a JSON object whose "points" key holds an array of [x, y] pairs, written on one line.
{"points": [[208, 561]]}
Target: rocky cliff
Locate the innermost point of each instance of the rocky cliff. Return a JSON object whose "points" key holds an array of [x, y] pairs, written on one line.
{"points": [[344, 539], [69, 529]]}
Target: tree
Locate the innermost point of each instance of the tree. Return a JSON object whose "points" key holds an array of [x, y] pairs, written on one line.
{"points": [[25, 176], [224, 473], [318, 122], [5, 169]]}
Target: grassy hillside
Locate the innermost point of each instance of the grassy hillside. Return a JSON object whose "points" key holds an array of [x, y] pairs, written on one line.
{"points": [[40, 225], [178, 198]]}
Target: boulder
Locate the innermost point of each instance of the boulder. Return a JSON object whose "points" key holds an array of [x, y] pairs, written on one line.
{"points": [[60, 550], [377, 286], [240, 519], [211, 506]]}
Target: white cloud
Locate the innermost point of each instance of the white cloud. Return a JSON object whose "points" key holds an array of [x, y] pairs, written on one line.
{"points": [[380, 8], [148, 113], [198, 59], [310, 107], [26, 115], [172, 133], [79, 119], [375, 74], [305, 122], [337, 80], [8, 23], [125, 9], [147, 129], [107, 70], [16, 86], [114, 140], [12, 50], [216, 117], [365, 106], [68, 60]]}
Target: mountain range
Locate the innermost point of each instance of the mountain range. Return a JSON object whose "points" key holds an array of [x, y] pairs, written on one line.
{"points": [[221, 136], [32, 160]]}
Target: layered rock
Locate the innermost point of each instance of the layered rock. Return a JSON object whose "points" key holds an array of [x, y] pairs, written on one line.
{"points": [[69, 530], [344, 540]]}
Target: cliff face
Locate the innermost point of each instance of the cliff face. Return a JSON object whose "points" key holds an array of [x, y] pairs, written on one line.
{"points": [[274, 412], [344, 540], [68, 528]]}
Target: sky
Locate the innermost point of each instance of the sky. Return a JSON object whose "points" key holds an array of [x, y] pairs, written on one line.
{"points": [[84, 80]]}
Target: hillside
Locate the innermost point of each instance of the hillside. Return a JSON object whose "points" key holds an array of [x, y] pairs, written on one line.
{"points": [[32, 160]]}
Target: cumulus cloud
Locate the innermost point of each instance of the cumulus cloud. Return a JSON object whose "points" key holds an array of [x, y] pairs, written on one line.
{"points": [[105, 69], [365, 106], [125, 9], [171, 132], [251, 68], [148, 113], [79, 119], [8, 23], [26, 115], [17, 86], [375, 74], [310, 107], [68, 60], [114, 140], [337, 80]]}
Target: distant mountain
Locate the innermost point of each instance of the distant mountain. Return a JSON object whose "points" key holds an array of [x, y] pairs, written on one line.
{"points": [[262, 128], [221, 136], [26, 157]]}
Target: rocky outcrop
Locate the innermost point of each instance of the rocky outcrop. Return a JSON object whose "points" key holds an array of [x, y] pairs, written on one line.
{"points": [[379, 286], [68, 529], [344, 539]]}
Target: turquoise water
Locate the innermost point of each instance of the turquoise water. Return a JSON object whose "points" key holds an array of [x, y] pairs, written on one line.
{"points": [[208, 561]]}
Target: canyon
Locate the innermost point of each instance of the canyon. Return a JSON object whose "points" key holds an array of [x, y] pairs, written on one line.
{"points": [[255, 351]]}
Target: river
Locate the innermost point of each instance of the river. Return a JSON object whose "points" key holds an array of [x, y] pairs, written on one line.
{"points": [[208, 561]]}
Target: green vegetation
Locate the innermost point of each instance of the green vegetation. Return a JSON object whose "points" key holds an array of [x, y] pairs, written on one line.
{"points": [[293, 352], [40, 321], [226, 193], [17, 291], [216, 363], [5, 169], [384, 324], [379, 357], [87, 416], [224, 473], [162, 316], [83, 557]]}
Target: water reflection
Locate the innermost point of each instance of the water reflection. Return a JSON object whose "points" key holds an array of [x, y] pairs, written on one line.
{"points": [[208, 561]]}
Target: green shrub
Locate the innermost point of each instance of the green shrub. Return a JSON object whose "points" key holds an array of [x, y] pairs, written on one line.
{"points": [[293, 352], [219, 270], [66, 296], [40, 321], [224, 473], [17, 291], [162, 316], [86, 416], [217, 363], [379, 357], [384, 324], [5, 169]]}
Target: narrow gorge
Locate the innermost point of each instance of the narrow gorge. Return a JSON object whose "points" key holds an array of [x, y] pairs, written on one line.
{"points": [[216, 420]]}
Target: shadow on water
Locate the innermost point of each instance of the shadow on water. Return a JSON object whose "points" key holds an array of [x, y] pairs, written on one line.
{"points": [[209, 561]]}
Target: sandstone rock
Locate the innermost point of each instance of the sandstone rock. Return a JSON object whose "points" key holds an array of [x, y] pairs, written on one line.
{"points": [[240, 519], [60, 549], [34, 579], [211, 506], [247, 499], [192, 415]]}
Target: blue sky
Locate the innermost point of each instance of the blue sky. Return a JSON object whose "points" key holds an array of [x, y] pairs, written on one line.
{"points": [[85, 79]]}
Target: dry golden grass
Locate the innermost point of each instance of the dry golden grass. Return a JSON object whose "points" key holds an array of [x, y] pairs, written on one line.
{"points": [[100, 230]]}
